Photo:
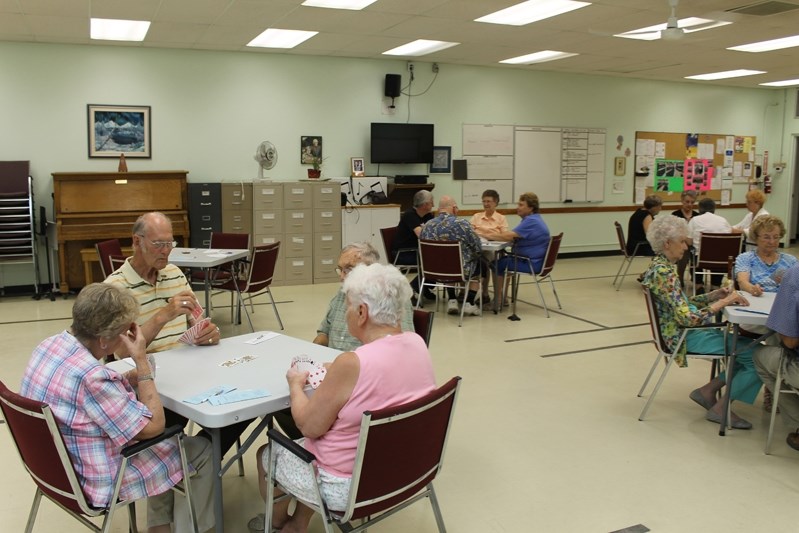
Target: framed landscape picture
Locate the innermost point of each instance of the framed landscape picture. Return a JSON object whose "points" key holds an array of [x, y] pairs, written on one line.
{"points": [[442, 160], [115, 130]]}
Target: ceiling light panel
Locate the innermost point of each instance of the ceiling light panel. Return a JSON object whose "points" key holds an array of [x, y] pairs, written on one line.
{"points": [[531, 11], [277, 38], [767, 46], [419, 47], [354, 5], [537, 57], [119, 30], [726, 74], [783, 83]]}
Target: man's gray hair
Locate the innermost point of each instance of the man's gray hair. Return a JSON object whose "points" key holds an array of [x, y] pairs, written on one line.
{"points": [[143, 222], [382, 288], [666, 228], [422, 197], [367, 253]]}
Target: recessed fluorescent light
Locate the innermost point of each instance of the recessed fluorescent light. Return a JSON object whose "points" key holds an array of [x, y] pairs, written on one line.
{"points": [[726, 74], [419, 47], [688, 25], [766, 46], [275, 38], [531, 11], [355, 5], [119, 30], [783, 83], [538, 57]]}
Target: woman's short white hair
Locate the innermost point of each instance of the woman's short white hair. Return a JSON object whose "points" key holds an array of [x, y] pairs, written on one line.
{"points": [[666, 228], [382, 288]]}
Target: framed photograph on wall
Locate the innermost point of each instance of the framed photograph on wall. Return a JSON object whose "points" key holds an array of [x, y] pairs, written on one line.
{"points": [[310, 149], [442, 160], [115, 130], [357, 166]]}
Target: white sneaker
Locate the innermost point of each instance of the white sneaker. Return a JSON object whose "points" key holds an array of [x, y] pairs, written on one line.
{"points": [[471, 309], [452, 307]]}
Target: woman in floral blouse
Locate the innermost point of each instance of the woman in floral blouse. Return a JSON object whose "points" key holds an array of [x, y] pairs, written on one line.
{"points": [[667, 236]]}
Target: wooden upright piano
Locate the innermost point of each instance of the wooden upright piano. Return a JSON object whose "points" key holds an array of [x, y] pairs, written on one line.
{"points": [[95, 206]]}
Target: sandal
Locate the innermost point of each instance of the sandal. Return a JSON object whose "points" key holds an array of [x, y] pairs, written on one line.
{"points": [[793, 440]]}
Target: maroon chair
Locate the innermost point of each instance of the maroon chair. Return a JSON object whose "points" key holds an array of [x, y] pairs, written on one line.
{"points": [[388, 234], [259, 278], [423, 324], [441, 264], [400, 452], [222, 273], [44, 455], [111, 256]]}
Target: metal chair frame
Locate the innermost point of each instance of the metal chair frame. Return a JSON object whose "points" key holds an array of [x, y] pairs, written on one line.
{"points": [[399, 454], [778, 388], [627, 259], [44, 454], [667, 354], [110, 255], [550, 258]]}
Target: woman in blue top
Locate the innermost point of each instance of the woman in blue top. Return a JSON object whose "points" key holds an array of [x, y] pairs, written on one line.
{"points": [[761, 270], [531, 238]]}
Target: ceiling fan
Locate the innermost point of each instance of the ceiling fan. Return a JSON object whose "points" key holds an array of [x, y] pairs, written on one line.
{"points": [[674, 28]]}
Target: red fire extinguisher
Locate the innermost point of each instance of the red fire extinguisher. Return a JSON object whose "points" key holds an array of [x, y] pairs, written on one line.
{"points": [[767, 184]]}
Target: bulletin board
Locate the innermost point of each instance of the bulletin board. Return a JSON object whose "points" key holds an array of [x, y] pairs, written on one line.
{"points": [[725, 151]]}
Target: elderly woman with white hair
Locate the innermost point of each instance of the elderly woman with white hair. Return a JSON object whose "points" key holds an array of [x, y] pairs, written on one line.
{"points": [[667, 236], [390, 368]]}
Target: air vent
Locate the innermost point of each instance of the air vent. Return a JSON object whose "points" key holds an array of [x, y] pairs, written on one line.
{"points": [[764, 9]]}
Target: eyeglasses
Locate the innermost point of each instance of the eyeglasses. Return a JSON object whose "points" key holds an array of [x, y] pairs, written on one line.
{"points": [[161, 244], [769, 237], [343, 271]]}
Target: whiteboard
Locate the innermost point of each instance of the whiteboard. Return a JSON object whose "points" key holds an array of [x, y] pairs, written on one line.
{"points": [[537, 162], [489, 167], [487, 139]]}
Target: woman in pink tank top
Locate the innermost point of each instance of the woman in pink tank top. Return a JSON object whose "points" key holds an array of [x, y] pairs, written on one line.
{"points": [[390, 368]]}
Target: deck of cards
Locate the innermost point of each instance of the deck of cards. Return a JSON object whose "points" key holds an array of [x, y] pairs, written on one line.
{"points": [[191, 334], [316, 372]]}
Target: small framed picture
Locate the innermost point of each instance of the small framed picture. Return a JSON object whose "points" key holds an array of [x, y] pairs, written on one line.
{"points": [[620, 166], [310, 149], [442, 160], [119, 129], [356, 163]]}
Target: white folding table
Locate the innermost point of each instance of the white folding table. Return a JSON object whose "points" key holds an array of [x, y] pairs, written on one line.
{"points": [[205, 259]]}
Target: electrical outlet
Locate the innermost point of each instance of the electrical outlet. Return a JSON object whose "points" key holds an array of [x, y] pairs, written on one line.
{"points": [[435, 68]]}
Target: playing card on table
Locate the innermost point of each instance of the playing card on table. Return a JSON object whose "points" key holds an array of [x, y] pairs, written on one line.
{"points": [[191, 334], [316, 371]]}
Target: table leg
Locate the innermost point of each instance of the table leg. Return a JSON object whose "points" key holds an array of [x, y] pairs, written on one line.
{"points": [[725, 398], [207, 291], [219, 513]]}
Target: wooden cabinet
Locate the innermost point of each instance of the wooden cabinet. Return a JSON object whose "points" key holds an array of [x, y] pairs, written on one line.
{"points": [[95, 206]]}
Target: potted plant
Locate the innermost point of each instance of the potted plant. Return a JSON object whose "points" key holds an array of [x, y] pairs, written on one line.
{"points": [[315, 172]]}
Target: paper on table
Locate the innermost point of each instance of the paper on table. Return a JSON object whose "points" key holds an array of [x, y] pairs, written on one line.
{"points": [[238, 396], [205, 395], [265, 336]]}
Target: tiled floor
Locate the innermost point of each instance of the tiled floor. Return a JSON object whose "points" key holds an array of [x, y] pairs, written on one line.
{"points": [[546, 434]]}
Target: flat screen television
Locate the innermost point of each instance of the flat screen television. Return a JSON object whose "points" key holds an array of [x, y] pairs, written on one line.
{"points": [[401, 143]]}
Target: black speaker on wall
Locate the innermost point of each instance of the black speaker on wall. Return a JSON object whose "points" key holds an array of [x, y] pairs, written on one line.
{"points": [[393, 82]]}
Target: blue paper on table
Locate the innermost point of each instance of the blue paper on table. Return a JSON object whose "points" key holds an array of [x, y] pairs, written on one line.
{"points": [[213, 391], [238, 396]]}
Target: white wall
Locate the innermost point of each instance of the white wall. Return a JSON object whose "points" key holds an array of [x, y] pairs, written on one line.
{"points": [[211, 109]]}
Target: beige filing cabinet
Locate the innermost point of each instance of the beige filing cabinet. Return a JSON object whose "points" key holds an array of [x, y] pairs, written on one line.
{"points": [[363, 223], [326, 230], [298, 233], [267, 221], [237, 208]]}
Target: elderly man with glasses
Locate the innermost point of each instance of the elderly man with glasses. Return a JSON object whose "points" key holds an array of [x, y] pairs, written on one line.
{"points": [[166, 301], [333, 330]]}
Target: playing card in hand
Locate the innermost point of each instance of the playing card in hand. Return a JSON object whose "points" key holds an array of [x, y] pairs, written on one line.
{"points": [[191, 334], [316, 372], [198, 310]]}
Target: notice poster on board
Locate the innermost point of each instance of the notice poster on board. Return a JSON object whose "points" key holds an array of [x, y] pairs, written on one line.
{"points": [[698, 174], [669, 175]]}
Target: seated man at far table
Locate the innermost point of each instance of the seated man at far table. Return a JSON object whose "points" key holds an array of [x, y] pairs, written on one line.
{"points": [[166, 300], [784, 320], [333, 331], [406, 240], [448, 227]]}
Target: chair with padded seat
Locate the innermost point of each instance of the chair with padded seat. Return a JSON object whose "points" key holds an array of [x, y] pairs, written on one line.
{"points": [[667, 354], [260, 271], [44, 455], [714, 255], [110, 255], [441, 264], [388, 234], [627, 259], [545, 273], [423, 324], [400, 452]]}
